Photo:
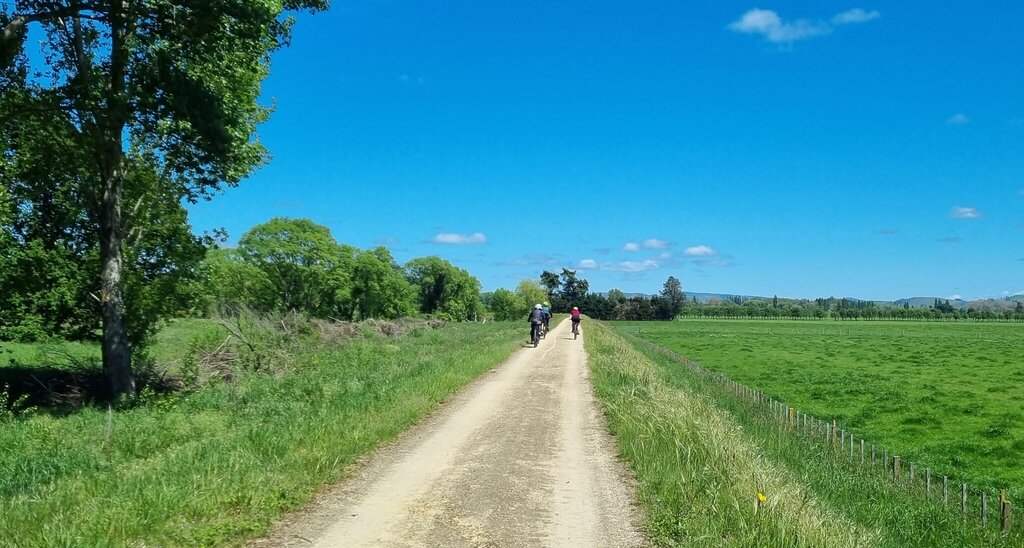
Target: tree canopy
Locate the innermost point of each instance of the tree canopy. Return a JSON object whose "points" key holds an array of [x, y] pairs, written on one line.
{"points": [[444, 290], [141, 100]]}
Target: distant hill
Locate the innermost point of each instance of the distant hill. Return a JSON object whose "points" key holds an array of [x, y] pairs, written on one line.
{"points": [[701, 297], [926, 302], [914, 302], [979, 304]]}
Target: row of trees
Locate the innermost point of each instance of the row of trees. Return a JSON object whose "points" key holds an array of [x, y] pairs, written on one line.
{"points": [[844, 309], [48, 276], [567, 290], [295, 264]]}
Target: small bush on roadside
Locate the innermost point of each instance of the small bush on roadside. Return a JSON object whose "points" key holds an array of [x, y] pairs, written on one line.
{"points": [[13, 407]]}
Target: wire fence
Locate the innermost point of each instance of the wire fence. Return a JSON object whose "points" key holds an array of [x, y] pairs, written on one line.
{"points": [[988, 508]]}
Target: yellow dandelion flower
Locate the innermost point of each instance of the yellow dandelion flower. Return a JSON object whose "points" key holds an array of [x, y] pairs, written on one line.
{"points": [[761, 497]]}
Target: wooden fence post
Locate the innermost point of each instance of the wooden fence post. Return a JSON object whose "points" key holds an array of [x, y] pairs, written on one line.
{"points": [[984, 508], [1006, 516], [851, 445], [833, 431], [945, 490], [872, 454], [896, 467], [928, 481], [862, 452], [963, 498]]}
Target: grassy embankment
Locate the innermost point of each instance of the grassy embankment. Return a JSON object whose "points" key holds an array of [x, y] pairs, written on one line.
{"points": [[947, 396], [217, 465], [701, 457]]}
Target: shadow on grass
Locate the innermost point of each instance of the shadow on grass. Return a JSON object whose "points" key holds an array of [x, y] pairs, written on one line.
{"points": [[60, 391]]}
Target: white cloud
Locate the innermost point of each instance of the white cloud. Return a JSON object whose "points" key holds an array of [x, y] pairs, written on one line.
{"points": [[665, 255], [699, 251], [768, 24], [622, 266], [459, 239], [634, 266], [411, 79], [965, 213], [654, 243], [533, 259], [958, 119], [855, 15], [773, 28], [631, 246], [954, 297]]}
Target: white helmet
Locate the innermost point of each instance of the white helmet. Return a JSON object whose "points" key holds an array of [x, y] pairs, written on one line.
{"points": [[537, 306]]}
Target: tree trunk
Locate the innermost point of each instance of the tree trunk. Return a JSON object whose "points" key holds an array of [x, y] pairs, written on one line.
{"points": [[117, 356]]}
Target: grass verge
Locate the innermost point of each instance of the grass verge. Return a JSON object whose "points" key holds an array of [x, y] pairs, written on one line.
{"points": [[703, 458], [217, 466]]}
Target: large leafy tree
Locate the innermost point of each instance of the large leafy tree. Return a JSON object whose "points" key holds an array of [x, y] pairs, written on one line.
{"points": [[574, 289], [49, 282], [228, 281], [444, 290], [379, 287], [672, 293], [549, 280], [164, 86], [506, 305], [530, 293], [305, 267]]}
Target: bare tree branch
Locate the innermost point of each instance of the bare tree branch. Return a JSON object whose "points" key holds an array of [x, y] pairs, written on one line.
{"points": [[74, 10]]}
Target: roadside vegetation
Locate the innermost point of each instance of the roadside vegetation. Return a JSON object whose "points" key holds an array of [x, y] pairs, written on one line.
{"points": [[949, 397], [713, 470], [216, 464]]}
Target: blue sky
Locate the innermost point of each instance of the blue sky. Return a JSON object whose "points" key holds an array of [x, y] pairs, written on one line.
{"points": [[791, 148]]}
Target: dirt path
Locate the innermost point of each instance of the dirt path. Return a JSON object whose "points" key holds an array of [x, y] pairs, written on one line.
{"points": [[519, 458]]}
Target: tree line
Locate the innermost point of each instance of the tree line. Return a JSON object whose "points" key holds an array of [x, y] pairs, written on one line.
{"points": [[844, 309], [566, 289], [282, 265]]}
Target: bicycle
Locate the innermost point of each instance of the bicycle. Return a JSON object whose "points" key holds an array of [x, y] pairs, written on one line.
{"points": [[575, 330], [535, 334]]}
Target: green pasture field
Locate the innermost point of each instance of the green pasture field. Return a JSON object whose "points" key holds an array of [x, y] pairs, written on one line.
{"points": [[703, 458], [166, 348], [947, 396], [216, 466]]}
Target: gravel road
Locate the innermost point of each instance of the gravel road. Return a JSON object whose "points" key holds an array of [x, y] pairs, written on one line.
{"points": [[521, 457]]}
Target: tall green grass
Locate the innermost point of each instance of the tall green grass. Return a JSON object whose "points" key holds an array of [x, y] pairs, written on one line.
{"points": [[701, 457], [218, 465]]}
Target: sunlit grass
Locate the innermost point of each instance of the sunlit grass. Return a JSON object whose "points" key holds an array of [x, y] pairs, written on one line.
{"points": [[948, 396], [218, 465], [703, 457]]}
